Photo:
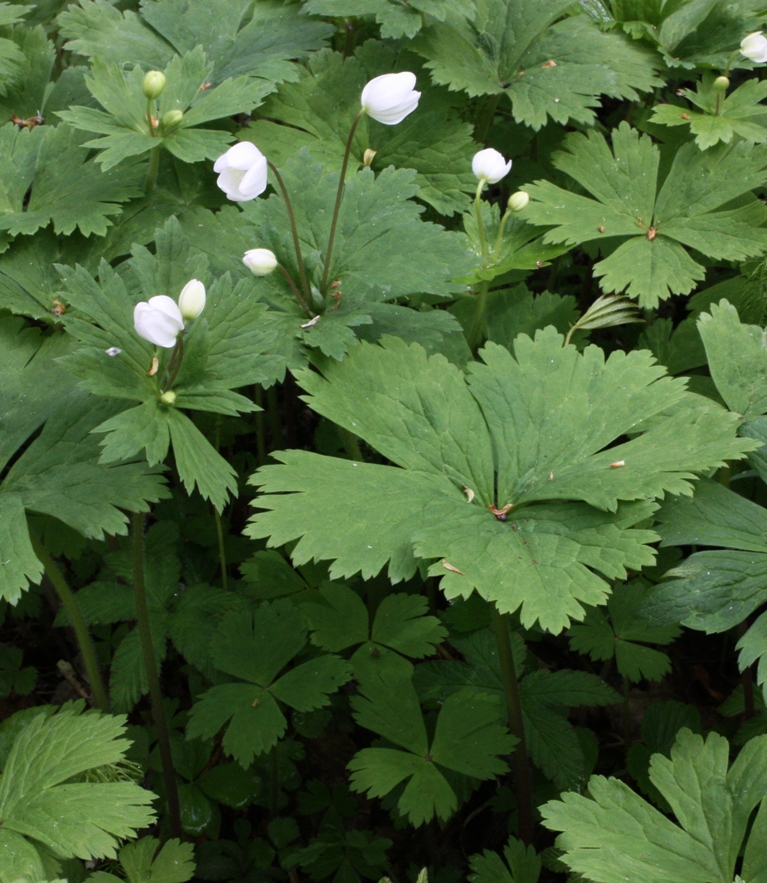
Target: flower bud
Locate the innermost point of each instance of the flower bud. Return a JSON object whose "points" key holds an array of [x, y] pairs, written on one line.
{"points": [[158, 320], [368, 157], [518, 201], [154, 83], [172, 118], [390, 97], [754, 47], [490, 166], [191, 301], [260, 261], [168, 398], [721, 84]]}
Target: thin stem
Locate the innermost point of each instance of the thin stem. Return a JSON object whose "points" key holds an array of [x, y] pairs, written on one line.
{"points": [[476, 328], [178, 355], [339, 197], [480, 224], [351, 445], [499, 237], [260, 427], [154, 167], [153, 678], [570, 333], [217, 519], [295, 291], [719, 103], [293, 230], [730, 60], [516, 724], [78, 623], [626, 713], [149, 120]]}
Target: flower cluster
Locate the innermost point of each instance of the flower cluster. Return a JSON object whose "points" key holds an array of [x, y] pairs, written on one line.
{"points": [[160, 320]]}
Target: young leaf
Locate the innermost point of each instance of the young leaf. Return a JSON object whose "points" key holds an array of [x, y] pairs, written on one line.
{"points": [[467, 739], [654, 224], [82, 819], [614, 833], [544, 62], [619, 632], [255, 649], [444, 432], [524, 865]]}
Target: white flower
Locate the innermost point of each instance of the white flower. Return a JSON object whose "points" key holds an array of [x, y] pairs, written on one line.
{"points": [[390, 98], [489, 166], [518, 201], [241, 172], [260, 261], [754, 47], [158, 320], [191, 301]]}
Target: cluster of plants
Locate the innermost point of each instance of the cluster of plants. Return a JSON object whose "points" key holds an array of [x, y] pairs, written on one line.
{"points": [[383, 411]]}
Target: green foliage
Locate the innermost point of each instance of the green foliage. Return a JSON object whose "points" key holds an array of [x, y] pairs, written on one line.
{"points": [[703, 203], [614, 832], [524, 865], [47, 807], [254, 649], [448, 433], [544, 62], [467, 739], [145, 862]]}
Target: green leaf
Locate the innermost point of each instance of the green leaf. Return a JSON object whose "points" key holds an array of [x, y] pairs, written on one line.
{"points": [[524, 865], [467, 739], [737, 359], [614, 833], [543, 61], [20, 565], [620, 633], [395, 19], [144, 862], [654, 224], [316, 112], [67, 188], [73, 819], [445, 432], [740, 113], [261, 45]]}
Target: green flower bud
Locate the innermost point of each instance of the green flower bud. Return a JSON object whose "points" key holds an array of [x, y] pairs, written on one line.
{"points": [[171, 119], [721, 84], [168, 398], [154, 83], [517, 201]]}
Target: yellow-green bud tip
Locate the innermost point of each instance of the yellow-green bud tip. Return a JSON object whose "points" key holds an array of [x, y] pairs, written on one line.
{"points": [[154, 83], [721, 84], [168, 398], [172, 118], [518, 201]]}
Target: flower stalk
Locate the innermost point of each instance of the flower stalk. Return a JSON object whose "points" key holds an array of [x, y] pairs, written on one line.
{"points": [[293, 230]]}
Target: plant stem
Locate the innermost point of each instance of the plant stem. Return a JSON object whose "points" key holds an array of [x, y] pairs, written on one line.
{"points": [[516, 725], [260, 427], [175, 361], [296, 292], [339, 197], [476, 328], [293, 230], [480, 224], [499, 237], [217, 519], [273, 416], [155, 692], [351, 445], [626, 713], [78, 623], [154, 167]]}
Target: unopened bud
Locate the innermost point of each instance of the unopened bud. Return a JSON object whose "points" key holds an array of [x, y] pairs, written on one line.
{"points": [[721, 84], [191, 301], [154, 83], [368, 157], [172, 118], [518, 201], [260, 261], [169, 397]]}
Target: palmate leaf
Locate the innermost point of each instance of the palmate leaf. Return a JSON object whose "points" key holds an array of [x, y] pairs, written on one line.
{"points": [[467, 739], [39, 800], [59, 473], [67, 188], [256, 41], [395, 19], [539, 425], [544, 62], [740, 114], [621, 633], [704, 203], [316, 112], [614, 833], [524, 865], [145, 862], [255, 648]]}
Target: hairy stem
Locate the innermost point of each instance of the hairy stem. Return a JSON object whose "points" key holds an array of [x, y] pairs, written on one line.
{"points": [[155, 692], [78, 623], [516, 725], [293, 230], [339, 197]]}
